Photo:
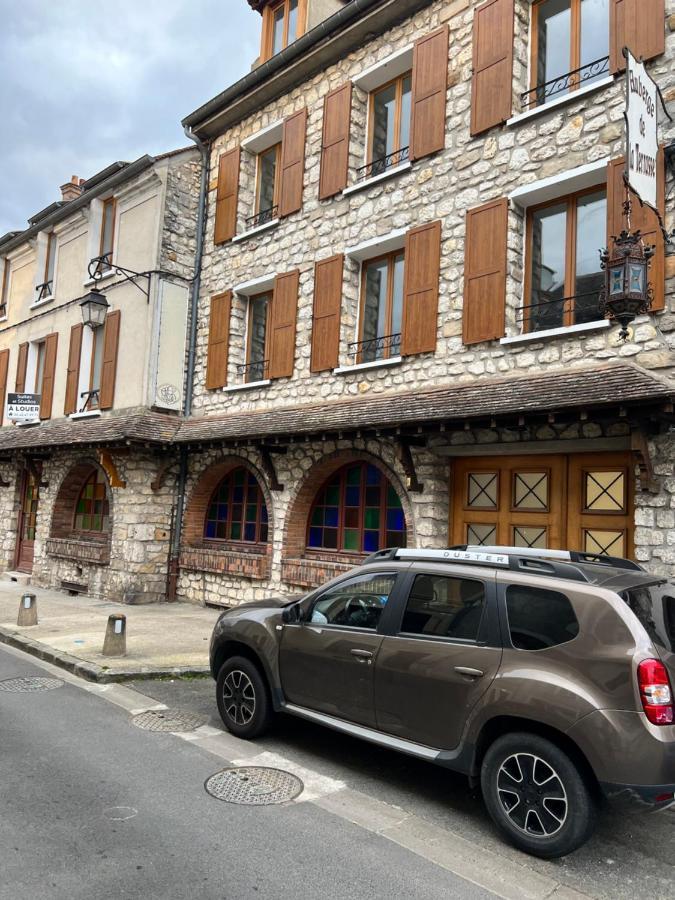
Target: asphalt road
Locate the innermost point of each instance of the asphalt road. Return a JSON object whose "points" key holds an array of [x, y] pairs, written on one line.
{"points": [[92, 807], [629, 858]]}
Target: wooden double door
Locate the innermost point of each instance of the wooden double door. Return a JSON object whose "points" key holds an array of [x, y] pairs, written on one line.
{"points": [[563, 501]]}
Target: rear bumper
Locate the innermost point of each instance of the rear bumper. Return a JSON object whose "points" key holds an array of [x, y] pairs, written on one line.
{"points": [[640, 797]]}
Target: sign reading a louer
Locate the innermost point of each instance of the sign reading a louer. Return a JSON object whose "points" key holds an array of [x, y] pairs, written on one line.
{"points": [[642, 130], [23, 407]]}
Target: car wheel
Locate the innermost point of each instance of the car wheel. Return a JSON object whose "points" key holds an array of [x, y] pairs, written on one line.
{"points": [[537, 796], [243, 698]]}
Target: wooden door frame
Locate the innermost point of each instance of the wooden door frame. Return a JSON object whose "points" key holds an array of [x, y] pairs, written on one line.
{"points": [[25, 475]]}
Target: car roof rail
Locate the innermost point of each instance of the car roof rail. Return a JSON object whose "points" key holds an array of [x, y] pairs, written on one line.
{"points": [[575, 556], [501, 557]]}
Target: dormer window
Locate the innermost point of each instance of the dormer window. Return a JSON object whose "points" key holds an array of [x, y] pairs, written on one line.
{"points": [[283, 23]]}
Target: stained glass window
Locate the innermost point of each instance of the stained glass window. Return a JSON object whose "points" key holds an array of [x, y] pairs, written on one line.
{"points": [[237, 510], [92, 511], [357, 511]]}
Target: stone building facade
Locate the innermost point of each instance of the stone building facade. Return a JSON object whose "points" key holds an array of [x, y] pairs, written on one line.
{"points": [[88, 488], [468, 386]]}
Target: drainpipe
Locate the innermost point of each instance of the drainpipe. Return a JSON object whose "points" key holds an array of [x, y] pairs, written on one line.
{"points": [[177, 529]]}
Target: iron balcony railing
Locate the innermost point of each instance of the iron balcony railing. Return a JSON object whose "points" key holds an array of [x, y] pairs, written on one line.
{"points": [[92, 399], [44, 290], [378, 166], [262, 217], [376, 348], [551, 313], [542, 93], [254, 371]]}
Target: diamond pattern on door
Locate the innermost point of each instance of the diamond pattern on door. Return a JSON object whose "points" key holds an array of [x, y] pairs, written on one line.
{"points": [[610, 543], [483, 490], [605, 491], [530, 537], [481, 535], [530, 490]]}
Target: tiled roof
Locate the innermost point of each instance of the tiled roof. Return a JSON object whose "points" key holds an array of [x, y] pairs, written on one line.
{"points": [[609, 385], [606, 385], [135, 426]]}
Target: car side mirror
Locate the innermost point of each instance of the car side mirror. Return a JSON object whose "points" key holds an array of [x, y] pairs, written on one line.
{"points": [[292, 615]]}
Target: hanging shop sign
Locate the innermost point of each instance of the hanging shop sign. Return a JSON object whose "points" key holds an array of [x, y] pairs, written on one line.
{"points": [[23, 407], [642, 137]]}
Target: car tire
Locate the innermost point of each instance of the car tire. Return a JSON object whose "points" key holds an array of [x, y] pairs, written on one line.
{"points": [[537, 796], [243, 698]]}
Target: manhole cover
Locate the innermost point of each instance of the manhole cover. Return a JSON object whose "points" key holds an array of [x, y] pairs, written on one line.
{"points": [[254, 785], [26, 685], [168, 720]]}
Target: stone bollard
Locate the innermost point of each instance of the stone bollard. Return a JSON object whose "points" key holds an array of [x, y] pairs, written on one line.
{"points": [[115, 643], [27, 610]]}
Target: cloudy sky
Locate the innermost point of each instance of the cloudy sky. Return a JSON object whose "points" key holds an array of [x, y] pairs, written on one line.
{"points": [[85, 83]]}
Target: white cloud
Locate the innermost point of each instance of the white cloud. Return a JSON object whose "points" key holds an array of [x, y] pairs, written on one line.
{"points": [[84, 84]]}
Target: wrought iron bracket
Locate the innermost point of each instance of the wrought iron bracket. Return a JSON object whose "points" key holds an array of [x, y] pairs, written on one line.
{"points": [[640, 446], [110, 469], [96, 273], [267, 466], [406, 459]]}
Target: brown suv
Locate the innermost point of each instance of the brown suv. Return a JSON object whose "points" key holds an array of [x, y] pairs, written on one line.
{"points": [[545, 674]]}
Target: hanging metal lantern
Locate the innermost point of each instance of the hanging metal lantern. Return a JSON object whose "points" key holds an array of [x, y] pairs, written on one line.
{"points": [[627, 292], [94, 307]]}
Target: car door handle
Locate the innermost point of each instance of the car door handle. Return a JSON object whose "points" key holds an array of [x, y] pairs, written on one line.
{"points": [[469, 672], [362, 654]]}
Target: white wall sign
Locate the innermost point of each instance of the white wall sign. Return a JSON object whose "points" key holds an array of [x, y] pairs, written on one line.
{"points": [[642, 130], [23, 407]]}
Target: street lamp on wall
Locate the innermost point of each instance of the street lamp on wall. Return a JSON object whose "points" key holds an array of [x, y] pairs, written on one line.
{"points": [[627, 292], [94, 308]]}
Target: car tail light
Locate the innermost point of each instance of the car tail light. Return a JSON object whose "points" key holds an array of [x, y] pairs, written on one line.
{"points": [[655, 692]]}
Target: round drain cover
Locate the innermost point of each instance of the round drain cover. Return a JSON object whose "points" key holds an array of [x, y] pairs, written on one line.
{"points": [[254, 785], [168, 720], [26, 685]]}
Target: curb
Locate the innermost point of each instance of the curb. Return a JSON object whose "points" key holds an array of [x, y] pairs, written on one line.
{"points": [[90, 671]]}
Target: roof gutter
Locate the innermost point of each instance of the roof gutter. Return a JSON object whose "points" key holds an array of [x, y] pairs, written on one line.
{"points": [[201, 121]]}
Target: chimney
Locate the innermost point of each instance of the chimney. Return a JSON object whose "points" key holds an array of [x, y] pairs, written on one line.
{"points": [[72, 189]]}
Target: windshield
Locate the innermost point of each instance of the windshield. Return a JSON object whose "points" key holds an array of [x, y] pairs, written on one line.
{"points": [[654, 605]]}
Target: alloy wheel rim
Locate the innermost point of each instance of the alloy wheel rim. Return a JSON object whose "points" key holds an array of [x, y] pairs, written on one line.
{"points": [[239, 697], [532, 795]]}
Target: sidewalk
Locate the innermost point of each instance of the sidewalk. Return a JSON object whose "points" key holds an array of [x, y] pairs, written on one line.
{"points": [[162, 638]]}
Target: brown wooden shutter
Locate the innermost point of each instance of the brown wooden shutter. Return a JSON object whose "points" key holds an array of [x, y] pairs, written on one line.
{"points": [[642, 217], [429, 90], [639, 25], [73, 370], [485, 272], [337, 111], [420, 289], [47, 392], [227, 196], [282, 325], [326, 316], [21, 364], [111, 337], [4, 365], [292, 163], [492, 84], [219, 341]]}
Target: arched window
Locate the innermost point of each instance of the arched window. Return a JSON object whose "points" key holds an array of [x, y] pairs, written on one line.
{"points": [[92, 512], [237, 510], [357, 511]]}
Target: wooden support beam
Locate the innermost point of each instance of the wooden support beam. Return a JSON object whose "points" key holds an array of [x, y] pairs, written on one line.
{"points": [[406, 459], [162, 472], [110, 469], [640, 447], [268, 468]]}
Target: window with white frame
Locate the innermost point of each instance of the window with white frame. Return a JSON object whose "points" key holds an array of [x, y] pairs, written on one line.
{"points": [[46, 290], [569, 44], [261, 163], [91, 368], [381, 308], [256, 365], [107, 238], [4, 289]]}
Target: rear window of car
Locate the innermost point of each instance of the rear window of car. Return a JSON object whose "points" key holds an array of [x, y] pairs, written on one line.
{"points": [[539, 618], [654, 606]]}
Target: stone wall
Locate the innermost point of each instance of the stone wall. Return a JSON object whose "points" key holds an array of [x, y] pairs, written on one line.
{"points": [[138, 546], [469, 172]]}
